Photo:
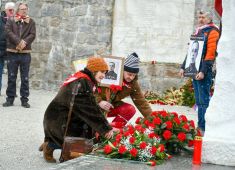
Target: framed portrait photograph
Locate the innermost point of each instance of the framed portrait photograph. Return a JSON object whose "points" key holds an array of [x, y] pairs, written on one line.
{"points": [[115, 74], [194, 56]]}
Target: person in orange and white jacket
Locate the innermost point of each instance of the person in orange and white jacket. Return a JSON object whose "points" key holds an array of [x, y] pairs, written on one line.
{"points": [[203, 80]]}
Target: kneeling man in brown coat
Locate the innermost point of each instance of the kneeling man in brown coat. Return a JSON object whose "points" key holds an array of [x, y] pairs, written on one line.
{"points": [[121, 111]]}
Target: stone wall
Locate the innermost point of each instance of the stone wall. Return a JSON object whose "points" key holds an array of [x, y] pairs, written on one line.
{"points": [[67, 30], [160, 76], [72, 29]]}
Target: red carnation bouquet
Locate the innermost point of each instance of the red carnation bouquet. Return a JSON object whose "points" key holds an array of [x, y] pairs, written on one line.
{"points": [[176, 132], [136, 143], [153, 139]]}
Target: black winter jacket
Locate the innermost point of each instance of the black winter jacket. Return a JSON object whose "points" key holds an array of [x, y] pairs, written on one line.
{"points": [[3, 42]]}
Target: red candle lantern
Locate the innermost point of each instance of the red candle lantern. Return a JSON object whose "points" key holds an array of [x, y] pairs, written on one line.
{"points": [[197, 153]]}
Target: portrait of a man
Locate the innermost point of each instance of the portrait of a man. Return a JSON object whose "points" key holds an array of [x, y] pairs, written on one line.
{"points": [[193, 55], [115, 74], [111, 73]]}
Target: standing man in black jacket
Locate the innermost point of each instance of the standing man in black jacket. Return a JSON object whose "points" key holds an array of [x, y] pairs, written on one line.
{"points": [[21, 32], [9, 12]]}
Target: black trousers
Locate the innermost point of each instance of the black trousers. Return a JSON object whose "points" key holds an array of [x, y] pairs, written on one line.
{"points": [[14, 62]]}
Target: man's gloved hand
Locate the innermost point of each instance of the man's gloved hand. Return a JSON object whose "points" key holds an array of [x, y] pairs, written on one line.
{"points": [[105, 105]]}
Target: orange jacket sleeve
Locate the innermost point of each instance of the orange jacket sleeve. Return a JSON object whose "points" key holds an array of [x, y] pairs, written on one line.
{"points": [[211, 45]]}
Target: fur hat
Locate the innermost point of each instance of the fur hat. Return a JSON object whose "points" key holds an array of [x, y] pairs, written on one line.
{"points": [[131, 63], [96, 64]]}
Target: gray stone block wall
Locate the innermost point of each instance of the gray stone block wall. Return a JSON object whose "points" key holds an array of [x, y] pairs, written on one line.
{"points": [[71, 29], [66, 30], [159, 77]]}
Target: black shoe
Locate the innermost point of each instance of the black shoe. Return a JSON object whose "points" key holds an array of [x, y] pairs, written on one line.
{"points": [[25, 104], [7, 104]]}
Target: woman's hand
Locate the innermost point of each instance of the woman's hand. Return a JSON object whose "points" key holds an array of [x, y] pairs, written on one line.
{"points": [[116, 130], [109, 134], [105, 105]]}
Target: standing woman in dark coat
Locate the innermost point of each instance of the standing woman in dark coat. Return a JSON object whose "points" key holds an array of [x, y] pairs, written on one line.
{"points": [[86, 115], [4, 16]]}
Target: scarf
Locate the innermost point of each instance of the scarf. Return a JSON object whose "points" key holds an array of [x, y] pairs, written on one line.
{"points": [[126, 84], [205, 26], [21, 18], [74, 77]]}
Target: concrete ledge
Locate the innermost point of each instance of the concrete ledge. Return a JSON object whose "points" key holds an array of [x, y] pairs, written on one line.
{"points": [[218, 151], [87, 162]]}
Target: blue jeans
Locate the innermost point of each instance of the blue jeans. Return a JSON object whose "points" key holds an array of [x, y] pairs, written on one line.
{"points": [[1, 72], [15, 61], [202, 96]]}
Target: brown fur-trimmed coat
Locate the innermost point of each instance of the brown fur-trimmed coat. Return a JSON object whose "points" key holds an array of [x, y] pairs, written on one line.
{"points": [[86, 116]]}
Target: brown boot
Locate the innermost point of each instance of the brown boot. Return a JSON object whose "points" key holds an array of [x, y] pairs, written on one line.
{"points": [[41, 147], [48, 153]]}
